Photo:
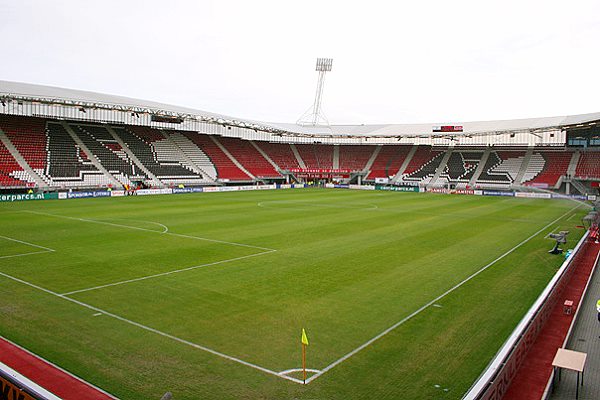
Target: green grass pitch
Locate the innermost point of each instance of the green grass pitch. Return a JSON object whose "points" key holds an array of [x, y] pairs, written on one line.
{"points": [[205, 295]]}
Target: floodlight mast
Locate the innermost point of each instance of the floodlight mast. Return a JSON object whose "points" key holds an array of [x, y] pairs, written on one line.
{"points": [[316, 117]]}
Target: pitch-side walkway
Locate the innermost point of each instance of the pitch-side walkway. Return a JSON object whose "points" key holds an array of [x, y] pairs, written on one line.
{"points": [[532, 378], [585, 337], [47, 375]]}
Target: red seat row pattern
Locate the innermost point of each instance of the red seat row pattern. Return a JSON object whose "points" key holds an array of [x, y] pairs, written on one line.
{"points": [[355, 158], [420, 158], [588, 165], [280, 153], [388, 161], [8, 166], [318, 156], [556, 166], [226, 169], [247, 155], [28, 135]]}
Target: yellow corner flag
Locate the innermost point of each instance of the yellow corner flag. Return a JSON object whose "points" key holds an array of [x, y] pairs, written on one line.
{"points": [[304, 338], [304, 344]]}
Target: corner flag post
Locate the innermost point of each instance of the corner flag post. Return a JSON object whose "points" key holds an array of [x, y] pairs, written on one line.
{"points": [[304, 344]]}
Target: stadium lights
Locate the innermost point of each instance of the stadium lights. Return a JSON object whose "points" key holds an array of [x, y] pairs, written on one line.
{"points": [[314, 116]]}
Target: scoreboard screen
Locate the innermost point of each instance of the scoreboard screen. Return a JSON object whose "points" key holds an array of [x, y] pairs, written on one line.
{"points": [[448, 128]]}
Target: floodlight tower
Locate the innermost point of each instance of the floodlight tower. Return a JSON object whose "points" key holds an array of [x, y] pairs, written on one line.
{"points": [[316, 117]]}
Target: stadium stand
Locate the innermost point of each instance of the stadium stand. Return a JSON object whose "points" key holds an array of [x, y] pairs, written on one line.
{"points": [[109, 153], [316, 155], [11, 173], [423, 165], [226, 169], [388, 161], [56, 151], [555, 165], [588, 165], [501, 169], [461, 166], [28, 135], [280, 153], [68, 165], [195, 155], [159, 155], [355, 158], [249, 157]]}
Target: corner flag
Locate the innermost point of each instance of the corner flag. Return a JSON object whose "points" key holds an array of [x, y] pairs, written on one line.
{"points": [[304, 338], [304, 341]]}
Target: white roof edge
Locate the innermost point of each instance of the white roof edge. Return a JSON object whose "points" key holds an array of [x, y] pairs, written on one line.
{"points": [[35, 91]]}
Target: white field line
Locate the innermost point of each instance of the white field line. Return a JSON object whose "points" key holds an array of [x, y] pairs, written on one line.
{"points": [[165, 228], [289, 371], [44, 249], [156, 331], [25, 254], [402, 321], [150, 230], [27, 243], [165, 273]]}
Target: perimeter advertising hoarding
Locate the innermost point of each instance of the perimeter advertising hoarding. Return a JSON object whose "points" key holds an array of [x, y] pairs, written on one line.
{"points": [[498, 193], [27, 197], [147, 192], [438, 190], [83, 195], [569, 196], [463, 191], [362, 187], [530, 195], [398, 188], [187, 190]]}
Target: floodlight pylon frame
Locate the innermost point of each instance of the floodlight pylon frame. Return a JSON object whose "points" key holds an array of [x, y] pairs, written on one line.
{"points": [[316, 117]]}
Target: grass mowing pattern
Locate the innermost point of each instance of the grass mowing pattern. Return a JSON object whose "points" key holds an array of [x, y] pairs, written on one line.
{"points": [[348, 265]]}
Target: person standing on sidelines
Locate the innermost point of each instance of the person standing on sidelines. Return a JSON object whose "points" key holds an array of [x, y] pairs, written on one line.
{"points": [[598, 309]]}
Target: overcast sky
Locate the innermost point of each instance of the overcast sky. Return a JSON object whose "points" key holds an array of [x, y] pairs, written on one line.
{"points": [[394, 61]]}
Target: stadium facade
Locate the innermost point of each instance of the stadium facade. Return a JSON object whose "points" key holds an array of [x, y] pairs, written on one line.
{"points": [[54, 138]]}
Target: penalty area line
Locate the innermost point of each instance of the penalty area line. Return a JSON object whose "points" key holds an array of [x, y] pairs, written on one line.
{"points": [[165, 273], [26, 254], [430, 303], [153, 330], [27, 243]]}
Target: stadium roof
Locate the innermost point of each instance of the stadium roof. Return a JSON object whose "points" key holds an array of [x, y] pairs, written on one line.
{"points": [[50, 94]]}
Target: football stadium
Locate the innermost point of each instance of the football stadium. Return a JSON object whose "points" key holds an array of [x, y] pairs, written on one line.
{"points": [[150, 251]]}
